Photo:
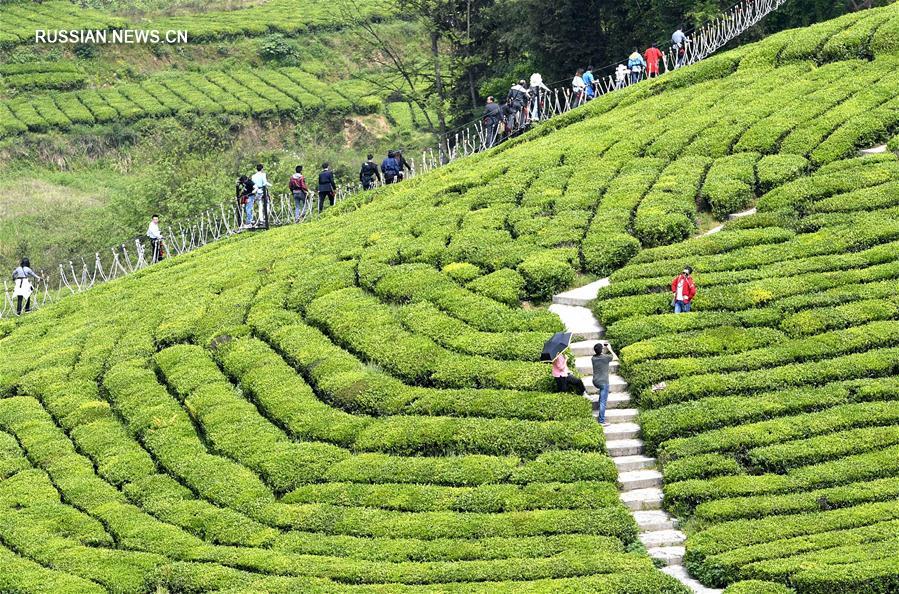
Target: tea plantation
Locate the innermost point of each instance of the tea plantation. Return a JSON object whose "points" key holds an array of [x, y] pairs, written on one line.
{"points": [[355, 404]]}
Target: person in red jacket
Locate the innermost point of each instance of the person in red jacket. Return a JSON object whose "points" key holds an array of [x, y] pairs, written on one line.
{"points": [[652, 56], [684, 289]]}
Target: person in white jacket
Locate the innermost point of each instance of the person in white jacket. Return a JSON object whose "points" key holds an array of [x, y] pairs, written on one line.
{"points": [[538, 95], [621, 74], [579, 87], [155, 237], [23, 288]]}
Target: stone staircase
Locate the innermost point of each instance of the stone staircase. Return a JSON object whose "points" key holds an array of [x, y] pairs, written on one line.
{"points": [[639, 483]]}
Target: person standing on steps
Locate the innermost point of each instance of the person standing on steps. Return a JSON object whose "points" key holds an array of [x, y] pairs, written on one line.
{"points": [[244, 189], [565, 380], [621, 74], [601, 359], [300, 191], [402, 165], [369, 173], [683, 289], [326, 187], [21, 278], [578, 88]]}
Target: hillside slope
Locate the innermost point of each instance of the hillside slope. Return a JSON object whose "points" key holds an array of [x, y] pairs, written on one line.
{"points": [[355, 404]]}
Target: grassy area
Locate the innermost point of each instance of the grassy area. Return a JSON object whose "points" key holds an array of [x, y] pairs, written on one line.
{"points": [[356, 405]]}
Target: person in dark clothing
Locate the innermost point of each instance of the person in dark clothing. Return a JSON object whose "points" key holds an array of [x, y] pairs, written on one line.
{"points": [[517, 100], [369, 173], [601, 359], [243, 189], [493, 114], [390, 168], [22, 287], [401, 164], [327, 187]]}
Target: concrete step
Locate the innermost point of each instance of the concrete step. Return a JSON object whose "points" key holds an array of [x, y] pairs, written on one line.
{"points": [[639, 479], [624, 447], [672, 556], [617, 385], [585, 366], [621, 415], [640, 499], [679, 573], [654, 520], [622, 431], [874, 150], [740, 215], [583, 348], [662, 538], [633, 462], [620, 400], [578, 320], [582, 295]]}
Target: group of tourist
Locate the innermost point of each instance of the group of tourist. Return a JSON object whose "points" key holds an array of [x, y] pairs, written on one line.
{"points": [[585, 86], [254, 190], [524, 103]]}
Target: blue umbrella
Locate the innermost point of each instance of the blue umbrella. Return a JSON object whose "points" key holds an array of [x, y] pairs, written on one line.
{"points": [[555, 345]]}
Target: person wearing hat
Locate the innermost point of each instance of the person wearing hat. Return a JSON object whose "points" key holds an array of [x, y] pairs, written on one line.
{"points": [[518, 99], [683, 289]]}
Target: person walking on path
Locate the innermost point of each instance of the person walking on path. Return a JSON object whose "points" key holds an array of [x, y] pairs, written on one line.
{"points": [[300, 191], [636, 64], [683, 289], [589, 83], [653, 56], [401, 164], [390, 168], [243, 191], [621, 76], [565, 380], [601, 358], [21, 278], [538, 94], [493, 114], [155, 237], [679, 42], [260, 190], [578, 88], [326, 187], [369, 173], [518, 99]]}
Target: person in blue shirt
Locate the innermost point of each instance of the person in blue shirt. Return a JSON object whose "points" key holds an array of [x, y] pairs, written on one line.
{"points": [[590, 83], [390, 168], [636, 64]]}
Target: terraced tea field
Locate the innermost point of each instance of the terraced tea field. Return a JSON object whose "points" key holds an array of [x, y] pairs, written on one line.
{"points": [[356, 405]]}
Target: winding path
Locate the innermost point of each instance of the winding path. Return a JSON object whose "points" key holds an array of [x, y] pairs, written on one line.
{"points": [[639, 482]]}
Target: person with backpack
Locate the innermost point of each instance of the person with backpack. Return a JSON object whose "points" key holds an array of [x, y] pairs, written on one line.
{"points": [[653, 56], [602, 356], [243, 190], [155, 237], [679, 43], [636, 64], [518, 100], [22, 287], [369, 173], [683, 289], [390, 168], [589, 83], [300, 191], [493, 115], [327, 187], [401, 164], [260, 192]]}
